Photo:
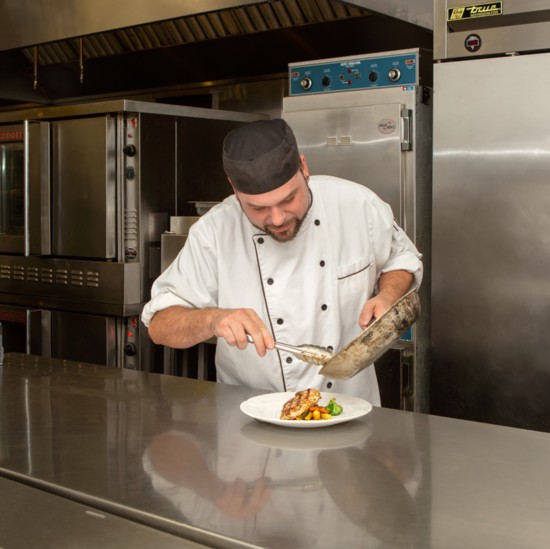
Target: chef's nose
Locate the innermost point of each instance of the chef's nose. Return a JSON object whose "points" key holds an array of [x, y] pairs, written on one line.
{"points": [[277, 216]]}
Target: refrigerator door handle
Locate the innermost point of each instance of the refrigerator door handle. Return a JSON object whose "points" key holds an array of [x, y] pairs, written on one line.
{"points": [[39, 332], [37, 204]]}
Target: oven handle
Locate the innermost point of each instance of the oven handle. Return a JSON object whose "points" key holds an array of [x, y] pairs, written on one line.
{"points": [[36, 181], [27, 186], [39, 332]]}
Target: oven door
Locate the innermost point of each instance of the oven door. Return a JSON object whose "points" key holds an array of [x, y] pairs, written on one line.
{"points": [[84, 188], [58, 193], [25, 189]]}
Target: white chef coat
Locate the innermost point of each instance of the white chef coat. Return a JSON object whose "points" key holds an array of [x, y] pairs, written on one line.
{"points": [[308, 290]]}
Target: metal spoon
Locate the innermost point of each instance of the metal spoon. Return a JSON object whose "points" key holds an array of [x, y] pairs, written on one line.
{"points": [[313, 354]]}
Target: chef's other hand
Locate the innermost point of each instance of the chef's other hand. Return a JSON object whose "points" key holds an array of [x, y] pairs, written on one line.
{"points": [[374, 308], [234, 325]]}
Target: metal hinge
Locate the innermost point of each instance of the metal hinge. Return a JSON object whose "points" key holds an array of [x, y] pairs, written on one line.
{"points": [[407, 137]]}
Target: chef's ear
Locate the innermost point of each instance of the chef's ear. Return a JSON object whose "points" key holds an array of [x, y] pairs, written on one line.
{"points": [[303, 166]]}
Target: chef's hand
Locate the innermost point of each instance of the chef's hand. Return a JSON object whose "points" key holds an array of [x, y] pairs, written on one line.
{"points": [[374, 308], [234, 325], [243, 500], [392, 285]]}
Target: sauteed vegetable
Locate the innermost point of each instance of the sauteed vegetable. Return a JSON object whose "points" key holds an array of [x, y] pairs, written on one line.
{"points": [[334, 409], [316, 413]]}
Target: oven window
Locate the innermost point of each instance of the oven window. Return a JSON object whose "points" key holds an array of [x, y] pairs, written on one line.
{"points": [[12, 219]]}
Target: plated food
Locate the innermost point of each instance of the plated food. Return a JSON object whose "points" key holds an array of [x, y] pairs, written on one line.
{"points": [[267, 408], [304, 406]]}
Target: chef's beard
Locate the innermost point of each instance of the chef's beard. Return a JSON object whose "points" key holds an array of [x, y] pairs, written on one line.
{"points": [[287, 235], [297, 222], [293, 230]]}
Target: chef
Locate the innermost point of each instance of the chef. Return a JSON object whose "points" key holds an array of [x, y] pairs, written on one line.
{"points": [[288, 257]]}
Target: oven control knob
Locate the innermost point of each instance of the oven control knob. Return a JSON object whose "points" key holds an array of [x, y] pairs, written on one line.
{"points": [[130, 349], [130, 254], [394, 75], [306, 83], [130, 172], [129, 150]]}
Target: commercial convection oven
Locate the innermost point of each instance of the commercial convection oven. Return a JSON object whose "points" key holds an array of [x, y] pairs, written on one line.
{"points": [[86, 192]]}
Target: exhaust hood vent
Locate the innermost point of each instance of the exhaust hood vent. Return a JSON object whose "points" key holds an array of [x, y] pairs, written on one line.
{"points": [[246, 20]]}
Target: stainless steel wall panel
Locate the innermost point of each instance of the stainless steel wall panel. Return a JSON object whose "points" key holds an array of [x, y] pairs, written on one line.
{"points": [[491, 227], [419, 12]]}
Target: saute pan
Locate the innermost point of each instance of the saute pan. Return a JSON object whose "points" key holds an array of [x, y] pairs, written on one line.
{"points": [[375, 339], [372, 343]]}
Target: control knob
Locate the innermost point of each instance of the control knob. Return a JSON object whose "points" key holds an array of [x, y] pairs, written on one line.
{"points": [[306, 83], [394, 75], [130, 172], [373, 76], [130, 349], [129, 150]]}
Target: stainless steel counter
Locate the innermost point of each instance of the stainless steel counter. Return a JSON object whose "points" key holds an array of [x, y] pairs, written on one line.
{"points": [[178, 458]]}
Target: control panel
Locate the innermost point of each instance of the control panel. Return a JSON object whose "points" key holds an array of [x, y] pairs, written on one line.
{"points": [[354, 73], [131, 177]]}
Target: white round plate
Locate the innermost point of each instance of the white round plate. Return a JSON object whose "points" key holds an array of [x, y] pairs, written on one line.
{"points": [[268, 408]]}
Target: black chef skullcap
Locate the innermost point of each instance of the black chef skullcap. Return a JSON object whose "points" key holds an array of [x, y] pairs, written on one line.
{"points": [[260, 156]]}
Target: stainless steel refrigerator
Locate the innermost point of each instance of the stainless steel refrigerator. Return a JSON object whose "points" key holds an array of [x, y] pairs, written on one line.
{"points": [[491, 215], [368, 118]]}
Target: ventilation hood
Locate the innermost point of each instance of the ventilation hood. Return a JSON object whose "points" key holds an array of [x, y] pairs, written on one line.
{"points": [[58, 50]]}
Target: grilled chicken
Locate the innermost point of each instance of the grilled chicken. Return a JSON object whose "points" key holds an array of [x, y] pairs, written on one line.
{"points": [[300, 403]]}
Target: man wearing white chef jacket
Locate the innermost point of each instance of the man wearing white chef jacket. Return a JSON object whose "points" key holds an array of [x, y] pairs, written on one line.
{"points": [[288, 258]]}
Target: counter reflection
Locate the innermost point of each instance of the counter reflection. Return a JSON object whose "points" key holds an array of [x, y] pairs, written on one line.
{"points": [[282, 487], [181, 451]]}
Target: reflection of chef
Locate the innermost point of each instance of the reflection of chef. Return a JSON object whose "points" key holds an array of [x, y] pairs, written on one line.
{"points": [[225, 482], [400, 457], [176, 462], [374, 487]]}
